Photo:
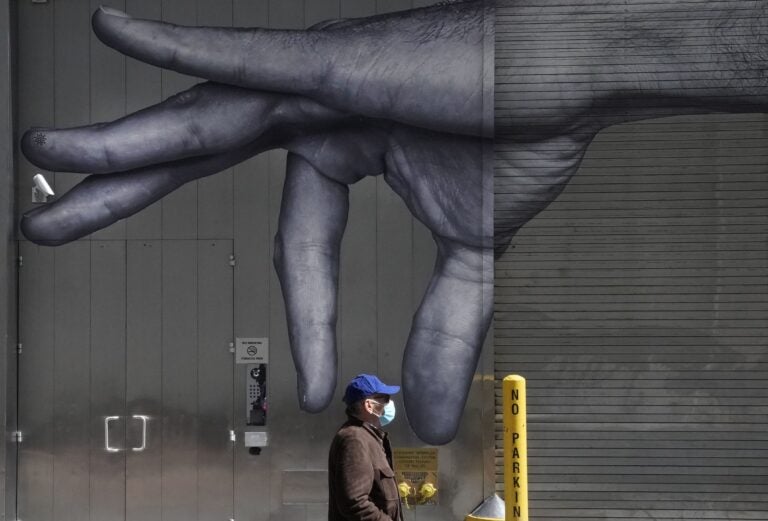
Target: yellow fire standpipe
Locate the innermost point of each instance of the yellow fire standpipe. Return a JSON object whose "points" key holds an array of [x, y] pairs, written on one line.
{"points": [[515, 449]]}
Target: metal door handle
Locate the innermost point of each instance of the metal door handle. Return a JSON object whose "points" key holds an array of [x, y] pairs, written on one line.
{"points": [[143, 432], [108, 419]]}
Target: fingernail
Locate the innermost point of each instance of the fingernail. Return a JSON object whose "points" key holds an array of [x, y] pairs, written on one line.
{"points": [[113, 12]]}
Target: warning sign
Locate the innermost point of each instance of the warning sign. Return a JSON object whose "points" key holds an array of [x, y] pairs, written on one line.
{"points": [[416, 475], [252, 351]]}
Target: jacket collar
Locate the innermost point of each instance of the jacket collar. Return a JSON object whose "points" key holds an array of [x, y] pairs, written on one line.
{"points": [[375, 431]]}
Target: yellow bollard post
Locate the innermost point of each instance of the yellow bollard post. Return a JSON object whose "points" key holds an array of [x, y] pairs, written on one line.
{"points": [[515, 449]]}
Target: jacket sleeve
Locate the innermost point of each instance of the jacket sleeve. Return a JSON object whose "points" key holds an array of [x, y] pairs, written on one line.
{"points": [[354, 471]]}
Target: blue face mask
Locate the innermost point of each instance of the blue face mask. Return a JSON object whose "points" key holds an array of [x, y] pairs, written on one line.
{"points": [[388, 414]]}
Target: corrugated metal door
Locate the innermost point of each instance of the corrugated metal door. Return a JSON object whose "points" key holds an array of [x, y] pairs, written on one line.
{"points": [[635, 305]]}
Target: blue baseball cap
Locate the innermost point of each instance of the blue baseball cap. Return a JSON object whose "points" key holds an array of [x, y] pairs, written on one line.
{"points": [[365, 385]]}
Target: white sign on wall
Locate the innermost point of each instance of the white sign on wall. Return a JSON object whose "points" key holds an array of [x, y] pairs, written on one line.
{"points": [[252, 351]]}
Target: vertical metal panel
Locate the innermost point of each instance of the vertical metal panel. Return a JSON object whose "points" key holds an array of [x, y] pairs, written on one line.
{"points": [[35, 83], [320, 428], [71, 73], [107, 396], [247, 13], [144, 369], [179, 209], [424, 248], [180, 389], [424, 254], [358, 305], [36, 383], [8, 252], [394, 277], [357, 8], [72, 108], [422, 263], [487, 420], [71, 399], [357, 276], [387, 6], [357, 285], [288, 451], [461, 462], [252, 275], [215, 485], [317, 512], [394, 269], [142, 89], [323, 426], [107, 89], [286, 15], [215, 198], [320, 10]]}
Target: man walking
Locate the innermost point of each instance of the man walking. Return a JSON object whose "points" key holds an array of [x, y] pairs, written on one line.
{"points": [[361, 480]]}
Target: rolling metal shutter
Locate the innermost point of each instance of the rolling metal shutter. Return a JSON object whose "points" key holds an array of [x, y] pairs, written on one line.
{"points": [[636, 305]]}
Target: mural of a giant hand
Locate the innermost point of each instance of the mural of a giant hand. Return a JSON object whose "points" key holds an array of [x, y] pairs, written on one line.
{"points": [[145, 156], [400, 94], [343, 113]]}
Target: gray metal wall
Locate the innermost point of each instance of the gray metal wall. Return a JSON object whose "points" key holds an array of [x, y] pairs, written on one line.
{"points": [[146, 293], [636, 307], [7, 266]]}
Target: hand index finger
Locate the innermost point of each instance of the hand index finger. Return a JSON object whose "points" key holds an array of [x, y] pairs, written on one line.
{"points": [[369, 66], [264, 59]]}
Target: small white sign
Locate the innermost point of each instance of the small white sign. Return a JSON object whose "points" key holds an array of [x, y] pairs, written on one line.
{"points": [[252, 351]]}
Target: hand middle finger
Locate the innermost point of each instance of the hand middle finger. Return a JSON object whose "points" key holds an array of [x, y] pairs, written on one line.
{"points": [[207, 119], [102, 200]]}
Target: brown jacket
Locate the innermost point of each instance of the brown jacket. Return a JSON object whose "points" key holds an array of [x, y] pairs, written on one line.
{"points": [[361, 481]]}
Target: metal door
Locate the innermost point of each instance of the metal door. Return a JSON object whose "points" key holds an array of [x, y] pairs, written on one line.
{"points": [[125, 381]]}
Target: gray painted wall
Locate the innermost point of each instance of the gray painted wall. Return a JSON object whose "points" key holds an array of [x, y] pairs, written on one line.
{"points": [[635, 306], [144, 293]]}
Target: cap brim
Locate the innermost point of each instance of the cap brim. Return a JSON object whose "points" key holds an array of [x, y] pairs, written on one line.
{"points": [[389, 389]]}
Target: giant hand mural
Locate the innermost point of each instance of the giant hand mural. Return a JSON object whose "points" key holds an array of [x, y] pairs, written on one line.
{"points": [[399, 95], [333, 97]]}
